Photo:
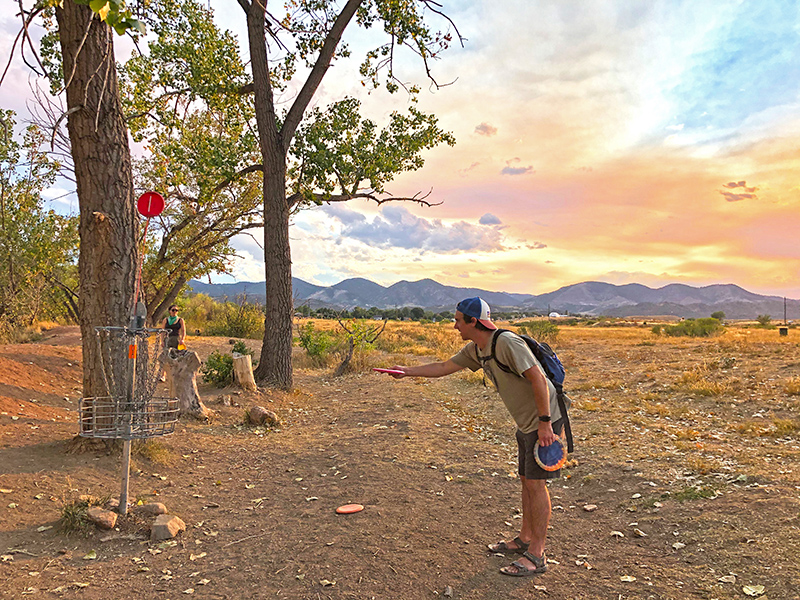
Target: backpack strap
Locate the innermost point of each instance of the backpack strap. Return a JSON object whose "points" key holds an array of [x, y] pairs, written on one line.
{"points": [[493, 355], [559, 388], [565, 415]]}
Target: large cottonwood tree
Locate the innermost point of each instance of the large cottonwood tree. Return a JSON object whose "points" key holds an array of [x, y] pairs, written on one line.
{"points": [[311, 32], [80, 53], [103, 178]]}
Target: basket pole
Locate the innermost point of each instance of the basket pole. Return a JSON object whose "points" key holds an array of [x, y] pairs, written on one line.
{"points": [[137, 324], [126, 475]]}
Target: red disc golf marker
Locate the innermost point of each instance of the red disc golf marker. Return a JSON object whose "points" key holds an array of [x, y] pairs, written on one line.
{"points": [[150, 204], [348, 509]]}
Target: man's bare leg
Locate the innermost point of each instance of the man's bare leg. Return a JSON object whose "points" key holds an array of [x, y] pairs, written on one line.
{"points": [[536, 511]]}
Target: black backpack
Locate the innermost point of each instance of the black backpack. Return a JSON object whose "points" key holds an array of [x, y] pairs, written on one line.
{"points": [[553, 369]]}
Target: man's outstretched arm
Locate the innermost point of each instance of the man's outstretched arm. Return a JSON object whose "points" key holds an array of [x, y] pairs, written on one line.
{"points": [[437, 369]]}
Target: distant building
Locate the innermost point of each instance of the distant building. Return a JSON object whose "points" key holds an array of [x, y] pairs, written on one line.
{"points": [[554, 315]]}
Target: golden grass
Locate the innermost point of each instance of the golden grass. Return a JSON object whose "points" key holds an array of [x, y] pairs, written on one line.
{"points": [[592, 404], [786, 426], [697, 381], [703, 465], [598, 384], [153, 450], [792, 387], [750, 428]]}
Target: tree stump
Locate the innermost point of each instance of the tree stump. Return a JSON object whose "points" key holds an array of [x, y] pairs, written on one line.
{"points": [[243, 372], [181, 367]]}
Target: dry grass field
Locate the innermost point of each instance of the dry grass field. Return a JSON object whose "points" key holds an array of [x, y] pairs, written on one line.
{"points": [[688, 447]]}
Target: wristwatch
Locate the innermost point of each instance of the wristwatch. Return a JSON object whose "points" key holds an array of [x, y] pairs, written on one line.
{"points": [[545, 418]]}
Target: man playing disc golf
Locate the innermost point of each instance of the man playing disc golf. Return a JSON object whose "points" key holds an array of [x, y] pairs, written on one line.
{"points": [[532, 401]]}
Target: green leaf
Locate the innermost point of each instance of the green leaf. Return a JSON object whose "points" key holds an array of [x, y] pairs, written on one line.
{"points": [[136, 25], [101, 7]]}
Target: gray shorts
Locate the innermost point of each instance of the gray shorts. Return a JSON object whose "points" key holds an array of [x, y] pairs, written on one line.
{"points": [[528, 467]]}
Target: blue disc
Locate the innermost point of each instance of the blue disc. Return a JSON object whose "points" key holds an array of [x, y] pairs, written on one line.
{"points": [[552, 457]]}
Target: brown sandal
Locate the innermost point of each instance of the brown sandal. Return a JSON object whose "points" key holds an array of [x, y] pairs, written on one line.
{"points": [[503, 547], [539, 566]]}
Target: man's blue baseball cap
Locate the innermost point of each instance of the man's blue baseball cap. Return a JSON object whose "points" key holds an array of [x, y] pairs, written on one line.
{"points": [[477, 309]]}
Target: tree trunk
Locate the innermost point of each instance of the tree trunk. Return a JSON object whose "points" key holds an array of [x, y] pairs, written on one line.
{"points": [[99, 139], [345, 364], [275, 363], [181, 368], [243, 372]]}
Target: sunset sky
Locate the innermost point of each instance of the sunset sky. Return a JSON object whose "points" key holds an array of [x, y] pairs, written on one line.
{"points": [[629, 141]]}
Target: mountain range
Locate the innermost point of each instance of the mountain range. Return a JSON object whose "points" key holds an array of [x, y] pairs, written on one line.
{"points": [[591, 298]]}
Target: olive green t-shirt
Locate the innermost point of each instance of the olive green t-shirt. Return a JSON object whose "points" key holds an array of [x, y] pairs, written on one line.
{"points": [[514, 389]]}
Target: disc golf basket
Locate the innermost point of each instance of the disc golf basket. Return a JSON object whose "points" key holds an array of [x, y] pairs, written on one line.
{"points": [[132, 361]]}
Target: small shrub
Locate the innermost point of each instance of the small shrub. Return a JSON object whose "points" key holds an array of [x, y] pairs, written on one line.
{"points": [[218, 369], [239, 347], [74, 518], [238, 320], [706, 327], [695, 493], [764, 320], [542, 331], [657, 329], [317, 344]]}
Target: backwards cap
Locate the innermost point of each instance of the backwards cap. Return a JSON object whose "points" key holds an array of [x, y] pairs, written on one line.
{"points": [[477, 309]]}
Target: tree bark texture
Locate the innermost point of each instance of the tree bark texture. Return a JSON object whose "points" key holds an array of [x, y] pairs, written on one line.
{"points": [[99, 139], [275, 363]]}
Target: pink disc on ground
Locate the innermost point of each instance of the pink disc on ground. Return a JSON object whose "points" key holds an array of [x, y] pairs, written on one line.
{"points": [[349, 509]]}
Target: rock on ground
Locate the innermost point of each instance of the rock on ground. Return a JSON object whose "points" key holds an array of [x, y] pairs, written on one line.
{"points": [[152, 509], [166, 527], [259, 415], [101, 517]]}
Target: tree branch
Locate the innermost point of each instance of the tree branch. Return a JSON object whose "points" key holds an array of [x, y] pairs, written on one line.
{"points": [[27, 37], [245, 171], [295, 114], [419, 198]]}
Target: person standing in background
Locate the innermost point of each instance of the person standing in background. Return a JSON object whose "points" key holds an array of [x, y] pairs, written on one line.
{"points": [[176, 327]]}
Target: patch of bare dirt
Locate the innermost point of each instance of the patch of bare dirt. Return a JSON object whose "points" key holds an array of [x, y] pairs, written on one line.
{"points": [[433, 463]]}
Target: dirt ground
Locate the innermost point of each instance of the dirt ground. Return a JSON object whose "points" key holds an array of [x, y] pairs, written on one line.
{"points": [[690, 450]]}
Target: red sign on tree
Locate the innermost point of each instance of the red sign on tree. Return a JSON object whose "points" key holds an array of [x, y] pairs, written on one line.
{"points": [[150, 204]]}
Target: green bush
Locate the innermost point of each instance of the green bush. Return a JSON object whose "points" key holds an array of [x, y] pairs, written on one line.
{"points": [[238, 320], [706, 327], [542, 331], [657, 329], [317, 344], [218, 369], [764, 321]]}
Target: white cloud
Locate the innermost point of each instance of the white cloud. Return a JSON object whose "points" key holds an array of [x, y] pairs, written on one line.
{"points": [[490, 219], [396, 227]]}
